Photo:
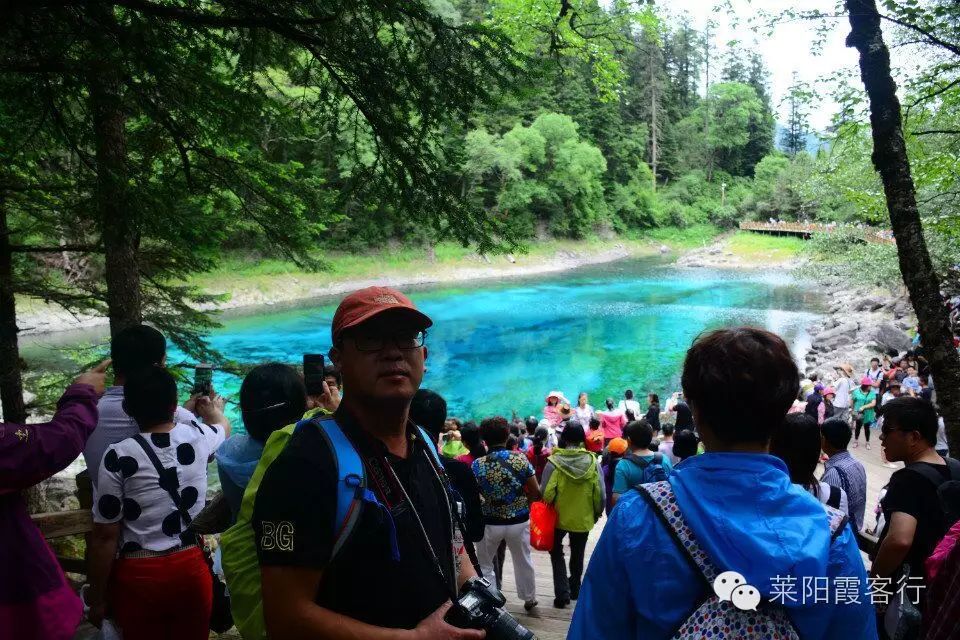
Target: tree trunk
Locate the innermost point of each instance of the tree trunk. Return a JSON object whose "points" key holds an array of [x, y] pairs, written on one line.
{"points": [[11, 380], [119, 226], [654, 130], [890, 160]]}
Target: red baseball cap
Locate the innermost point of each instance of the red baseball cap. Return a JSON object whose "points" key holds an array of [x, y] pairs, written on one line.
{"points": [[365, 304]]}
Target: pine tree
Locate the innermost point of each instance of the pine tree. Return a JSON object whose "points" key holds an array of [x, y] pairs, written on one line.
{"points": [[794, 138]]}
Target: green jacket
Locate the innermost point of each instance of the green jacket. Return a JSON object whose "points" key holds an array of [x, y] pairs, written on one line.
{"points": [[574, 489]]}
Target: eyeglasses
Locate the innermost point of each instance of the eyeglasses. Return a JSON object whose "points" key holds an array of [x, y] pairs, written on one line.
{"points": [[885, 430], [405, 341]]}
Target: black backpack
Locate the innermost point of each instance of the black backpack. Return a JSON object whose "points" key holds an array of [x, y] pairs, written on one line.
{"points": [[653, 470], [948, 491]]}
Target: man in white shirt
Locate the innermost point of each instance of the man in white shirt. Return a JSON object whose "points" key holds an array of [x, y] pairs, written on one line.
{"points": [[629, 404], [843, 386]]}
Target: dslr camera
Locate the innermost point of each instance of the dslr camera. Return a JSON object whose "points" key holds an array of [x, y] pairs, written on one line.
{"points": [[480, 606]]}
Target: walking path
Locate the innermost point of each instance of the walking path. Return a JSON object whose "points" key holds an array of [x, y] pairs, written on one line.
{"points": [[549, 623]]}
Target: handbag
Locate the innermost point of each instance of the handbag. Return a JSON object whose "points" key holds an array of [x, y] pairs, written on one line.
{"points": [[221, 619], [543, 523]]}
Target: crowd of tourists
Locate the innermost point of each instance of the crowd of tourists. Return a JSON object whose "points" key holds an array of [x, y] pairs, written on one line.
{"points": [[361, 510]]}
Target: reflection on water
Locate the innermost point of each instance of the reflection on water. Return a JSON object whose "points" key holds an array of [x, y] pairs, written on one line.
{"points": [[498, 347]]}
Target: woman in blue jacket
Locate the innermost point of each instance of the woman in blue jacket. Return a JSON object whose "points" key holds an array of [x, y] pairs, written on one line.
{"points": [[742, 508]]}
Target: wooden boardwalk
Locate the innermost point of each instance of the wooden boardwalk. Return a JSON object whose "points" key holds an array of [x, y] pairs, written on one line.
{"points": [[807, 229], [552, 624]]}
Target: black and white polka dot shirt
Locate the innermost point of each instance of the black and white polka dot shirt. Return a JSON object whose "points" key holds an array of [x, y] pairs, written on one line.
{"points": [[128, 488]]}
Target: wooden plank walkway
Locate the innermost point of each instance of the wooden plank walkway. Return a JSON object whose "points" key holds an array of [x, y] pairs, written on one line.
{"points": [[806, 229], [552, 624]]}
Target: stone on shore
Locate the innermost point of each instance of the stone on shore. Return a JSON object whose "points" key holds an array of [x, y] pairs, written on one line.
{"points": [[887, 336]]}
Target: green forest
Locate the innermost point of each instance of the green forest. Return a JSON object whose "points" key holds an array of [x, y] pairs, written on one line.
{"points": [[143, 142]]}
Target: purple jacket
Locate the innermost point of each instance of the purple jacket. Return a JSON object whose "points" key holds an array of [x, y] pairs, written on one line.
{"points": [[35, 599]]}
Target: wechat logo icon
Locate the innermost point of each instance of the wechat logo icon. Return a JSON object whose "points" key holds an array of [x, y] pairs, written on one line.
{"points": [[732, 586]]}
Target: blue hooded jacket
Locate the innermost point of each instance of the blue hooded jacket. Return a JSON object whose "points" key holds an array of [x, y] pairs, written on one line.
{"points": [[748, 517], [237, 459]]}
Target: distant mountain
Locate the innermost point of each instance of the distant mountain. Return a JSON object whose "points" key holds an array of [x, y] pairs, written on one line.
{"points": [[814, 141]]}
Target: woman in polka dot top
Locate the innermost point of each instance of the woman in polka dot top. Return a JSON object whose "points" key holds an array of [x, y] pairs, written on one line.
{"points": [[134, 515]]}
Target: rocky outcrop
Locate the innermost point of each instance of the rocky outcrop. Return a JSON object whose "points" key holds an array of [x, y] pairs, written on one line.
{"points": [[859, 325]]}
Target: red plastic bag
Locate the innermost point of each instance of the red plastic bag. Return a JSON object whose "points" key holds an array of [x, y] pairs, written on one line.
{"points": [[543, 520]]}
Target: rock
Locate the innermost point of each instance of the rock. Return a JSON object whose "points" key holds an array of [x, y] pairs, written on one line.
{"points": [[714, 251], [694, 264], [886, 336], [511, 259], [664, 249], [868, 303], [28, 397], [838, 336]]}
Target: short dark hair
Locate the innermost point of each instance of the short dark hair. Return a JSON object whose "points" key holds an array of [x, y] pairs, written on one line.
{"points": [[429, 410], [470, 436], [572, 434], [150, 396], [836, 431], [333, 371], [136, 348], [494, 431], [912, 414], [654, 398], [628, 394], [594, 423], [875, 359], [271, 397], [741, 382], [797, 443], [685, 444], [639, 433], [667, 429], [532, 423]]}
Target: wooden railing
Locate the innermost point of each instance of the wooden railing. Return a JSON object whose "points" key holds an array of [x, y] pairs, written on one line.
{"points": [[60, 524], [807, 229]]}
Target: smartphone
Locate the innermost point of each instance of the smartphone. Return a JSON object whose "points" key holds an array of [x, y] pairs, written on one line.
{"points": [[203, 379], [313, 373]]}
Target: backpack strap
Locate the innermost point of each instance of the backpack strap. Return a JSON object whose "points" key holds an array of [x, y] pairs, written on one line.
{"points": [[834, 499], [164, 479], [953, 466], [637, 460], [351, 478], [660, 497]]}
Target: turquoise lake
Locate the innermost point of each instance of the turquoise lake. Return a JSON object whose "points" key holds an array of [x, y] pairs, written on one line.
{"points": [[499, 346]]}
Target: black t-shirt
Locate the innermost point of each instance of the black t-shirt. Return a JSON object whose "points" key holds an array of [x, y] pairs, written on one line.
{"points": [[913, 494], [365, 581], [684, 416], [465, 483]]}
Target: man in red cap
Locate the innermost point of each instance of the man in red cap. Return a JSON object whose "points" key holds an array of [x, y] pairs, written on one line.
{"points": [[397, 573]]}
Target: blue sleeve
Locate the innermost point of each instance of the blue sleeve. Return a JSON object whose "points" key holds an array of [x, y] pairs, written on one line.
{"points": [[620, 484], [852, 620], [604, 609], [846, 619], [667, 465]]}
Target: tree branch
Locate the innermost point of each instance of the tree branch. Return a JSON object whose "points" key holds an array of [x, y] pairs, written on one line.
{"points": [[927, 132], [954, 49]]}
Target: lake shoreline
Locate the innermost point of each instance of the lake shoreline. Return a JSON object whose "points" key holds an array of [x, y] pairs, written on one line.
{"points": [[289, 289]]}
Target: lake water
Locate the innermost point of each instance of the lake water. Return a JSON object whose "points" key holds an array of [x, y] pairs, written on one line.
{"points": [[499, 346]]}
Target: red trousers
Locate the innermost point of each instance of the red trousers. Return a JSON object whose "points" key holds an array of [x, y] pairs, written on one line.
{"points": [[165, 598]]}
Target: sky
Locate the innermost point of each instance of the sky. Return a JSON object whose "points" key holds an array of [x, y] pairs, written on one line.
{"points": [[789, 49]]}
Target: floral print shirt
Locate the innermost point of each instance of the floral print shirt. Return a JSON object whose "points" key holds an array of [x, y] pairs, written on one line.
{"points": [[501, 475]]}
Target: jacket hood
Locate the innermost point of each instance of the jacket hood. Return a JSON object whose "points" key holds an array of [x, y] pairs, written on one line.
{"points": [[238, 457], [577, 464], [750, 518]]}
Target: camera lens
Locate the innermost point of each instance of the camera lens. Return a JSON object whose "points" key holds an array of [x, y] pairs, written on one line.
{"points": [[506, 627]]}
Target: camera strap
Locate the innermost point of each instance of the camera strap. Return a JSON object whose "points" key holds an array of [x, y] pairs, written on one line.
{"points": [[449, 583]]}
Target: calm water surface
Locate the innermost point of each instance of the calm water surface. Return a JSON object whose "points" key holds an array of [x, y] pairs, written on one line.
{"points": [[498, 347]]}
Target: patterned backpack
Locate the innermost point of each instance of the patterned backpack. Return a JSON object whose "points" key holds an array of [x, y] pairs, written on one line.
{"points": [[713, 617]]}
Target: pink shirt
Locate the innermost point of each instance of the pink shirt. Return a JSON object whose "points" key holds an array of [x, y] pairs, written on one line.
{"points": [[612, 424]]}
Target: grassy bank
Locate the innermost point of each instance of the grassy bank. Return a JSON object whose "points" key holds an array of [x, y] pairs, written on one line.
{"points": [[239, 272], [762, 248]]}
